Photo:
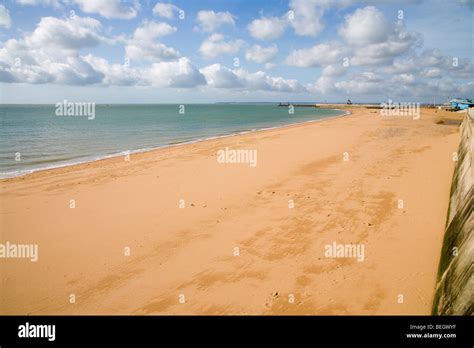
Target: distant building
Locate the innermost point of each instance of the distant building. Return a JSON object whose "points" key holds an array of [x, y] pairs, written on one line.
{"points": [[461, 104]]}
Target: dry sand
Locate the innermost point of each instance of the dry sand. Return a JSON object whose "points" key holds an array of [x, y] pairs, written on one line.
{"points": [[190, 251]]}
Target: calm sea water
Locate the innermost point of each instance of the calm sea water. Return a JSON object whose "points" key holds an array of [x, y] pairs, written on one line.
{"points": [[45, 140]]}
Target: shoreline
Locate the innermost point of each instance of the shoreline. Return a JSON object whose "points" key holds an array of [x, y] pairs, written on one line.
{"points": [[94, 159]]}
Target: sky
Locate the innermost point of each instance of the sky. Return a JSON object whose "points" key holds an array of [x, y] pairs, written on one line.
{"points": [[130, 51]]}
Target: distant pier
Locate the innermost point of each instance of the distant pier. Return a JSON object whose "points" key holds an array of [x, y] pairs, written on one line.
{"points": [[299, 105]]}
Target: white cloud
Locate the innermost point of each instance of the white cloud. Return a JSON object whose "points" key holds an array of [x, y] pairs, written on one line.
{"points": [[323, 85], [21, 62], [334, 70], [178, 74], [307, 16], [432, 63], [374, 40], [405, 79], [114, 74], [396, 86], [50, 53], [361, 83], [74, 71], [215, 46], [150, 31], [451, 66], [261, 54], [261, 81], [319, 55], [269, 66], [70, 34], [54, 3], [445, 88], [428, 73], [384, 53], [5, 20], [267, 28], [109, 8], [431, 73], [380, 54], [165, 10], [118, 9], [451, 88], [365, 26], [144, 44], [209, 21], [400, 66], [218, 76]]}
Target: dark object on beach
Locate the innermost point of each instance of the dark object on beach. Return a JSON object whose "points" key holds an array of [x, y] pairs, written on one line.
{"points": [[349, 102]]}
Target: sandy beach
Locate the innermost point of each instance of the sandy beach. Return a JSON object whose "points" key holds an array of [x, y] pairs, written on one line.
{"points": [[173, 231]]}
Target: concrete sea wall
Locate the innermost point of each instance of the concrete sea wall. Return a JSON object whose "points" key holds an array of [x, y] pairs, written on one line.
{"points": [[455, 283]]}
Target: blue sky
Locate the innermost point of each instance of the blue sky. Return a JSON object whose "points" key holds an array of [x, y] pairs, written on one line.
{"points": [[116, 51]]}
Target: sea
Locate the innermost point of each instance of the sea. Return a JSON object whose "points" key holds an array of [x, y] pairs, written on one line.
{"points": [[39, 137]]}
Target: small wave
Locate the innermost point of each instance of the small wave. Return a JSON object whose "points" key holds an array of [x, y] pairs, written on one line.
{"points": [[90, 159]]}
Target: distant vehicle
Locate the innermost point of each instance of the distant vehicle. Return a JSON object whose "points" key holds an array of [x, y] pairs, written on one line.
{"points": [[461, 104], [349, 102]]}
